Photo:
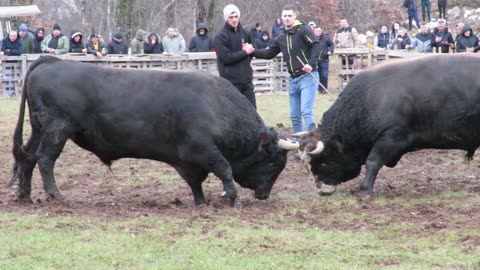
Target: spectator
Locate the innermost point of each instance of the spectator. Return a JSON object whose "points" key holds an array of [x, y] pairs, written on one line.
{"points": [[382, 39], [423, 41], [234, 49], [468, 41], [116, 45], [26, 39], [263, 42], [201, 41], [312, 26], [136, 44], [11, 44], [426, 5], [277, 28], [402, 41], [173, 42], [443, 38], [394, 31], [346, 36], [152, 44], [411, 6], [458, 30], [256, 32], [76, 43], [56, 42], [442, 6], [96, 46], [301, 50], [326, 49], [37, 41]]}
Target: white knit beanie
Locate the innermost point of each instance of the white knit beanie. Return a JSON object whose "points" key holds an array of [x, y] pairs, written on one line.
{"points": [[229, 9]]}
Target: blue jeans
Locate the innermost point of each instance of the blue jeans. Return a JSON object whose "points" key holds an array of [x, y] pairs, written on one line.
{"points": [[302, 91]]}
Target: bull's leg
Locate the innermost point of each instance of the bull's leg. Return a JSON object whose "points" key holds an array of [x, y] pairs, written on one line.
{"points": [[221, 168], [194, 176], [24, 165], [52, 142], [387, 150]]}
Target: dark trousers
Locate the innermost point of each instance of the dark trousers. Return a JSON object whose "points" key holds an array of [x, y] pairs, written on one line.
{"points": [[426, 7], [441, 11], [413, 15], [248, 91], [323, 74]]}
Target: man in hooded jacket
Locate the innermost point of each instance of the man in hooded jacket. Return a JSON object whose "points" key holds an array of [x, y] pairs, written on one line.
{"points": [[201, 42]]}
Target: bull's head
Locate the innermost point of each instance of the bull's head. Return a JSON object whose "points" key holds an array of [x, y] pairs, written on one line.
{"points": [[260, 171], [328, 161]]}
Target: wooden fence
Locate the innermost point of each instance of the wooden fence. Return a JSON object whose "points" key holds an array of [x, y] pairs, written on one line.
{"points": [[270, 76]]}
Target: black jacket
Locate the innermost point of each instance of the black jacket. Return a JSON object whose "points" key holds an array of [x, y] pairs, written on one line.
{"points": [[76, 47], [464, 42], [446, 40], [326, 45], [297, 42], [201, 43], [148, 48], [233, 63], [115, 47]]}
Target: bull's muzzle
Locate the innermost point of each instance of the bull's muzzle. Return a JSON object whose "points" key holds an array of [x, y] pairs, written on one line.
{"points": [[324, 189]]}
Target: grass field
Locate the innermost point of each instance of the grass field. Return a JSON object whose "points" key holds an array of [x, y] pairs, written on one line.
{"points": [[294, 229]]}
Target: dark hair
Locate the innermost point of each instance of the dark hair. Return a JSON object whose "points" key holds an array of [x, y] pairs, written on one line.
{"points": [[290, 7]]}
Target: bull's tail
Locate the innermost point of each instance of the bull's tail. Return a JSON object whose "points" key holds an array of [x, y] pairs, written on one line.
{"points": [[18, 153]]}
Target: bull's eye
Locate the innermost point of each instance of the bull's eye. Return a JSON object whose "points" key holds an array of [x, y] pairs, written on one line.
{"points": [[323, 164], [272, 164]]}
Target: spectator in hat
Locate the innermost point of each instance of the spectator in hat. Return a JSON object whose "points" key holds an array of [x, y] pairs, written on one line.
{"points": [[264, 42], [56, 42], [116, 45], [234, 49], [76, 43], [37, 41], [26, 39], [136, 44], [11, 44], [201, 42], [312, 25], [96, 46], [152, 44], [256, 33]]}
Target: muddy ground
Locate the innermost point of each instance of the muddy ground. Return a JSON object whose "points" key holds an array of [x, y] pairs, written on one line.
{"points": [[136, 188]]}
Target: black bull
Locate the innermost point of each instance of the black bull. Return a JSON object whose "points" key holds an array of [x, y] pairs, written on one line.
{"points": [[394, 108], [196, 122]]}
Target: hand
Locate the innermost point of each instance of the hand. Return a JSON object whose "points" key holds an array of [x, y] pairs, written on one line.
{"points": [[2, 53], [329, 53], [84, 50], [248, 48], [99, 54], [438, 39], [307, 68]]}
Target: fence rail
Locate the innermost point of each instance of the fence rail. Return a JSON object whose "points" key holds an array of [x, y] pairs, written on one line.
{"points": [[270, 76]]}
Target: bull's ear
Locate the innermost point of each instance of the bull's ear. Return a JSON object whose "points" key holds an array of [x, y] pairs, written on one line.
{"points": [[264, 139], [336, 143]]}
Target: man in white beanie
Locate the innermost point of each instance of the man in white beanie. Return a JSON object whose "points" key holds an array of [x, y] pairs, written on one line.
{"points": [[234, 50]]}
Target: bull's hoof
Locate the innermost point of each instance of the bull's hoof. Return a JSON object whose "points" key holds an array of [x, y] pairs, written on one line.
{"points": [[23, 198], [364, 194], [54, 196]]}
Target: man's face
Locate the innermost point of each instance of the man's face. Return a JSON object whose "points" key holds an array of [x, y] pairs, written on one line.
{"points": [[441, 27], [94, 40], [288, 17], [12, 36], [201, 31], [233, 19], [57, 32], [22, 33], [317, 31], [384, 29], [343, 23], [424, 29], [171, 32]]}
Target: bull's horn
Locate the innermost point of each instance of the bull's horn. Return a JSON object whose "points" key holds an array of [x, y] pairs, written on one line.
{"points": [[286, 145], [301, 134], [317, 150]]}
